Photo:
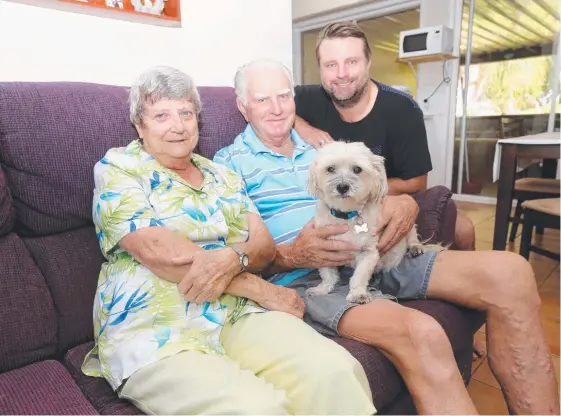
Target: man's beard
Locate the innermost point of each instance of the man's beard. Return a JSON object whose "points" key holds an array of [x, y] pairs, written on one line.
{"points": [[350, 101]]}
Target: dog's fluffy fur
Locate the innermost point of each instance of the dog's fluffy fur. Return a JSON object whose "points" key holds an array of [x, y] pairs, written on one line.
{"points": [[337, 166]]}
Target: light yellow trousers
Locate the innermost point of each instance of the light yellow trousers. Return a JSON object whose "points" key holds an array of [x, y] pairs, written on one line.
{"points": [[275, 364]]}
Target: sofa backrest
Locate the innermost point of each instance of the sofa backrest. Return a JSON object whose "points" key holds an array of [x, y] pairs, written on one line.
{"points": [[51, 136]]}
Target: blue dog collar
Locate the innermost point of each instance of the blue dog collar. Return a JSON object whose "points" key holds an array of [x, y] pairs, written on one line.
{"points": [[344, 215]]}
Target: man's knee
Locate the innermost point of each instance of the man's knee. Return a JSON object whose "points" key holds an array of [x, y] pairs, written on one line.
{"points": [[410, 335], [464, 235], [423, 334], [510, 281]]}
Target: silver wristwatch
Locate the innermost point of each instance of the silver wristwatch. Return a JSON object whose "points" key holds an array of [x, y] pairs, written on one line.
{"points": [[242, 257]]}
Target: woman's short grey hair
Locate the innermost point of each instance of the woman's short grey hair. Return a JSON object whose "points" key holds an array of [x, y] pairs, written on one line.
{"points": [[157, 83], [241, 74]]}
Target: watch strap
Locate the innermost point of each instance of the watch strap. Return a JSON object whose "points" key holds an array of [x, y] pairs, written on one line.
{"points": [[241, 256]]}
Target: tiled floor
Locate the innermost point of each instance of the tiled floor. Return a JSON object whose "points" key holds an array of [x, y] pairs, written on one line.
{"points": [[484, 389]]}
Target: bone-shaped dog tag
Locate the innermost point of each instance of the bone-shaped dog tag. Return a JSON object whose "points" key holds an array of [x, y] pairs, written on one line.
{"points": [[361, 228]]}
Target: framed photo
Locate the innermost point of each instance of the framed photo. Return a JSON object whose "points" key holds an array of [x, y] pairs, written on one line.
{"points": [[160, 9]]}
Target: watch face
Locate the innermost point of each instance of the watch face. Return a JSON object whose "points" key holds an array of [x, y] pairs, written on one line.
{"points": [[245, 261]]}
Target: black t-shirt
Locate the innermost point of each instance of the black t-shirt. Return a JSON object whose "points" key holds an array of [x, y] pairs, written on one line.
{"points": [[394, 128]]}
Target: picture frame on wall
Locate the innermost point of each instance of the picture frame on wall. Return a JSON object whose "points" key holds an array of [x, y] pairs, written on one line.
{"points": [[158, 9]]}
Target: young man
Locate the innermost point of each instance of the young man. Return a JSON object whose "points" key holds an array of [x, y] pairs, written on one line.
{"points": [[274, 162], [348, 105]]}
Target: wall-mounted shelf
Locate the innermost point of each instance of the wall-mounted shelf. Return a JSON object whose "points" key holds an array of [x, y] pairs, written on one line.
{"points": [[437, 57]]}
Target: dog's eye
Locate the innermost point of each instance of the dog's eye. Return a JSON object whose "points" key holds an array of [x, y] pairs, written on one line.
{"points": [[357, 169], [331, 169]]}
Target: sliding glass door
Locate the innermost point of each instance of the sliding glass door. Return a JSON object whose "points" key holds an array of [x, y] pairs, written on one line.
{"points": [[508, 84]]}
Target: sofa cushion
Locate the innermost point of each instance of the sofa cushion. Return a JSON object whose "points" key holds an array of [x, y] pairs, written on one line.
{"points": [[7, 211], [220, 120], [70, 263], [27, 316], [42, 388], [52, 134], [459, 324], [97, 390]]}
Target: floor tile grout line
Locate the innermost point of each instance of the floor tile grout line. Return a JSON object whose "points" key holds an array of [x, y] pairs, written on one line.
{"points": [[547, 277], [473, 370], [488, 385]]}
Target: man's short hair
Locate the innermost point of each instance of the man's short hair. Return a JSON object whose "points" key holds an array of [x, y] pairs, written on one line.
{"points": [[345, 29], [241, 73]]}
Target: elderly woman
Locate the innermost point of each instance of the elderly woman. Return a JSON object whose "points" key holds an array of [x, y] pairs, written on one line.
{"points": [[182, 326]]}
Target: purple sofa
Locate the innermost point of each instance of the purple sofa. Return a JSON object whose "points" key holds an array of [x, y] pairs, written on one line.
{"points": [[51, 135]]}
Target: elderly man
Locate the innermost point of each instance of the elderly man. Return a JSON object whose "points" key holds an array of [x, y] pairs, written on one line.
{"points": [[274, 160]]}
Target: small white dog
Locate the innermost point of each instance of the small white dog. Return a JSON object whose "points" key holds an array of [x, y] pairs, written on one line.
{"points": [[350, 182]]}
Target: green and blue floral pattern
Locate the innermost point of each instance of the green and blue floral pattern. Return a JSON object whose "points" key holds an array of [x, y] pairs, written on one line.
{"points": [[140, 318]]}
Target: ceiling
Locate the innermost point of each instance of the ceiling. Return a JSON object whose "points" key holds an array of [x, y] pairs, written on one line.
{"points": [[502, 29]]}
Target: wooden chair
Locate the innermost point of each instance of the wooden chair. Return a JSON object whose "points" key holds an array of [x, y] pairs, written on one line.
{"points": [[539, 213], [527, 189]]}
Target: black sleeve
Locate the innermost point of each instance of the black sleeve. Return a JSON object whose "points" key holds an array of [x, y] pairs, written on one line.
{"points": [[409, 145], [306, 98]]}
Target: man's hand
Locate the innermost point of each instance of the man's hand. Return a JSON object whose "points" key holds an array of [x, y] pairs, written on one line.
{"points": [[282, 299], [312, 249], [210, 273], [398, 217], [311, 135]]}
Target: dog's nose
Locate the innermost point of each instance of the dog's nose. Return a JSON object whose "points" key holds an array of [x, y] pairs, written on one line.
{"points": [[343, 188]]}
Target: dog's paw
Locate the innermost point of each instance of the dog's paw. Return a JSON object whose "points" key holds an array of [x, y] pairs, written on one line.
{"points": [[359, 297], [318, 291], [416, 250]]}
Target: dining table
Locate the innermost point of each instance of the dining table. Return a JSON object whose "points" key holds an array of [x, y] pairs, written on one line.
{"points": [[511, 156]]}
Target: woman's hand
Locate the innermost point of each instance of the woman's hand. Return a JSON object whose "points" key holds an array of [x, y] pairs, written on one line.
{"points": [[282, 299], [210, 273]]}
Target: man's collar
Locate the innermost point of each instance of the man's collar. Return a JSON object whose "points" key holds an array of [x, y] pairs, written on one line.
{"points": [[253, 142], [256, 146]]}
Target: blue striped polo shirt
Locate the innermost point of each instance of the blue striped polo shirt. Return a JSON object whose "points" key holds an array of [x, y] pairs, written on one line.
{"points": [[277, 185]]}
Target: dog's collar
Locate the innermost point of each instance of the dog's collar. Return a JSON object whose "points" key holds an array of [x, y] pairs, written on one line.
{"points": [[343, 215]]}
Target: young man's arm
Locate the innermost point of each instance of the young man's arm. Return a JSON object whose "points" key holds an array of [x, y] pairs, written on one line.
{"points": [[408, 156], [398, 186], [308, 102], [311, 135]]}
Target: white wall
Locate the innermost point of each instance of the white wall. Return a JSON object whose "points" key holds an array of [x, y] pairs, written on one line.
{"points": [[216, 37], [440, 128], [306, 8]]}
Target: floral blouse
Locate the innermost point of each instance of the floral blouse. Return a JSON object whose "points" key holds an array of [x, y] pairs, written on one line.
{"points": [[140, 318]]}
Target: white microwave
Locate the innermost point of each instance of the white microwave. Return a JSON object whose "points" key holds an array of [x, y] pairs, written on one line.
{"points": [[426, 41]]}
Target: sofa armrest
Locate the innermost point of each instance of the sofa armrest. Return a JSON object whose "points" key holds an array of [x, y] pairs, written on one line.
{"points": [[7, 210], [436, 221]]}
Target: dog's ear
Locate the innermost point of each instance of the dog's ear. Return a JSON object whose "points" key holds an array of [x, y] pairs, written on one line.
{"points": [[313, 179], [380, 183]]}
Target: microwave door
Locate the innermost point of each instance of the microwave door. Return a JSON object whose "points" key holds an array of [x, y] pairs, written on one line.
{"points": [[415, 43]]}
